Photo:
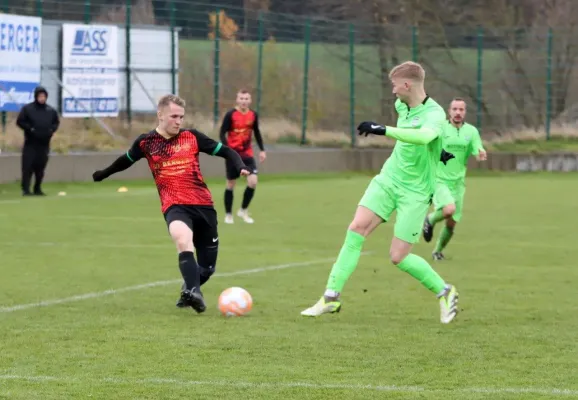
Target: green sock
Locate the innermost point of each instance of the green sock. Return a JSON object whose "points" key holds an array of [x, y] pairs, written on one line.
{"points": [[436, 216], [423, 272], [346, 261], [444, 239]]}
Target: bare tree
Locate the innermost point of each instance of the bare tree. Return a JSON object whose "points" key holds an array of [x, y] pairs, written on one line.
{"points": [[141, 13], [251, 10], [561, 15]]}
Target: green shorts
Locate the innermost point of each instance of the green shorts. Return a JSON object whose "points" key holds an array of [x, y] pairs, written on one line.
{"points": [[383, 198], [446, 194]]}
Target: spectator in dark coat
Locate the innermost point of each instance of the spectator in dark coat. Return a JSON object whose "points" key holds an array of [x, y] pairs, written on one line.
{"points": [[39, 121]]}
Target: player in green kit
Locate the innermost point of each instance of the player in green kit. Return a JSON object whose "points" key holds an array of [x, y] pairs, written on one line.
{"points": [[462, 140], [405, 184]]}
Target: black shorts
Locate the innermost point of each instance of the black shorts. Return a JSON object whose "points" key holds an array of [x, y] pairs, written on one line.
{"points": [[232, 172], [201, 219]]}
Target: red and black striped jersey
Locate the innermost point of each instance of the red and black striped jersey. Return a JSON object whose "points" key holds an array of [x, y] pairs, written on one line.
{"points": [[237, 131], [175, 167]]}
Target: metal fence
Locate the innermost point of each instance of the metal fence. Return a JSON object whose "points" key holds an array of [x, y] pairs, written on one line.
{"points": [[314, 79]]}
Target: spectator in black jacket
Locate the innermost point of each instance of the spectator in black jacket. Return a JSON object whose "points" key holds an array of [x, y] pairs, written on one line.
{"points": [[39, 121]]}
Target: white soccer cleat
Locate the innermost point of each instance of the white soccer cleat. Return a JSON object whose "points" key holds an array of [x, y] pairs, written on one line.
{"points": [[322, 307], [229, 219], [448, 304], [244, 214]]}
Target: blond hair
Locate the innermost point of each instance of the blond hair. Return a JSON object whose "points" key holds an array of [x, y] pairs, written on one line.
{"points": [[408, 70], [168, 99]]}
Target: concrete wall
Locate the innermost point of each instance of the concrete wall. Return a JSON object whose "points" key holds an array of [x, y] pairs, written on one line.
{"points": [[79, 167]]}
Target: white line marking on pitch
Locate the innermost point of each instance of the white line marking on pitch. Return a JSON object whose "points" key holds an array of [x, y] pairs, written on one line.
{"points": [[153, 246], [288, 385], [109, 292]]}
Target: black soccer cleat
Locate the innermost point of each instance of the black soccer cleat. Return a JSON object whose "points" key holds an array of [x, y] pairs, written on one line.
{"points": [[438, 256], [193, 299], [427, 230], [181, 302]]}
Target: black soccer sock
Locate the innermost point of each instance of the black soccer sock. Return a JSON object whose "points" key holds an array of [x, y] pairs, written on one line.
{"points": [[189, 270], [228, 201], [247, 196], [207, 261]]}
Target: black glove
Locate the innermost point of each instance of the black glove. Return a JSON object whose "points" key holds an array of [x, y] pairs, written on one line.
{"points": [[445, 157], [99, 176], [367, 127]]}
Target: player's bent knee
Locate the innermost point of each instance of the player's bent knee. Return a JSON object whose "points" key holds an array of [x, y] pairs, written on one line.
{"points": [[360, 227], [231, 184], [365, 221], [449, 210], [399, 250], [252, 181], [183, 244], [182, 236], [396, 256]]}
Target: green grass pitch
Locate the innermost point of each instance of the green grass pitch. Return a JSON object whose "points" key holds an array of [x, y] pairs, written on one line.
{"points": [[512, 258]]}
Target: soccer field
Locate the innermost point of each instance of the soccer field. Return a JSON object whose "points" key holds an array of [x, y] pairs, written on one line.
{"points": [[89, 283]]}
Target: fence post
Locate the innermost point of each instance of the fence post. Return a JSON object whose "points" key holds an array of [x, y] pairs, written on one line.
{"points": [[549, 84], [173, 49], [216, 70], [305, 81], [5, 9], [39, 10], [87, 16], [414, 44], [479, 94], [352, 83], [128, 62], [260, 60]]}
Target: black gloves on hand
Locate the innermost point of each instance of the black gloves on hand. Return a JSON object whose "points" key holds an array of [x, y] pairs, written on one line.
{"points": [[98, 176], [369, 127]]}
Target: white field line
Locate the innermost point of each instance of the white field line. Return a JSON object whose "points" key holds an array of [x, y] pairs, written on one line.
{"points": [[95, 295], [153, 246], [477, 244], [286, 385]]}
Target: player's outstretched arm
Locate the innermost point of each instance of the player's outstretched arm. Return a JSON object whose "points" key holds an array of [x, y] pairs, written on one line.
{"points": [[213, 148], [422, 135], [123, 162]]}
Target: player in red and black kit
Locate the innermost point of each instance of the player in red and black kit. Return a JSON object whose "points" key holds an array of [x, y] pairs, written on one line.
{"points": [[237, 130], [186, 202]]}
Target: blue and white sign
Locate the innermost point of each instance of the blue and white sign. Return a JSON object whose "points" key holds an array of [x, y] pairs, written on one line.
{"points": [[90, 71], [20, 41]]}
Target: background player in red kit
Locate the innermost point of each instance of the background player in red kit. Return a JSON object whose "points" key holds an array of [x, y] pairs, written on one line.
{"points": [[237, 130], [186, 202]]}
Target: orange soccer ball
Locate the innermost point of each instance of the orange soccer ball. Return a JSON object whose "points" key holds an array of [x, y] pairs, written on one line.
{"points": [[235, 302]]}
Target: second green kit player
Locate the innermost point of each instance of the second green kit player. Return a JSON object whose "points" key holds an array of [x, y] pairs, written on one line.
{"points": [[406, 185], [462, 140]]}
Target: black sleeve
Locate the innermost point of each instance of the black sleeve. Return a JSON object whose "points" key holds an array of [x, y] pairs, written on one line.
{"points": [[226, 126], [206, 144], [22, 120], [135, 153], [257, 133], [126, 160], [55, 121]]}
